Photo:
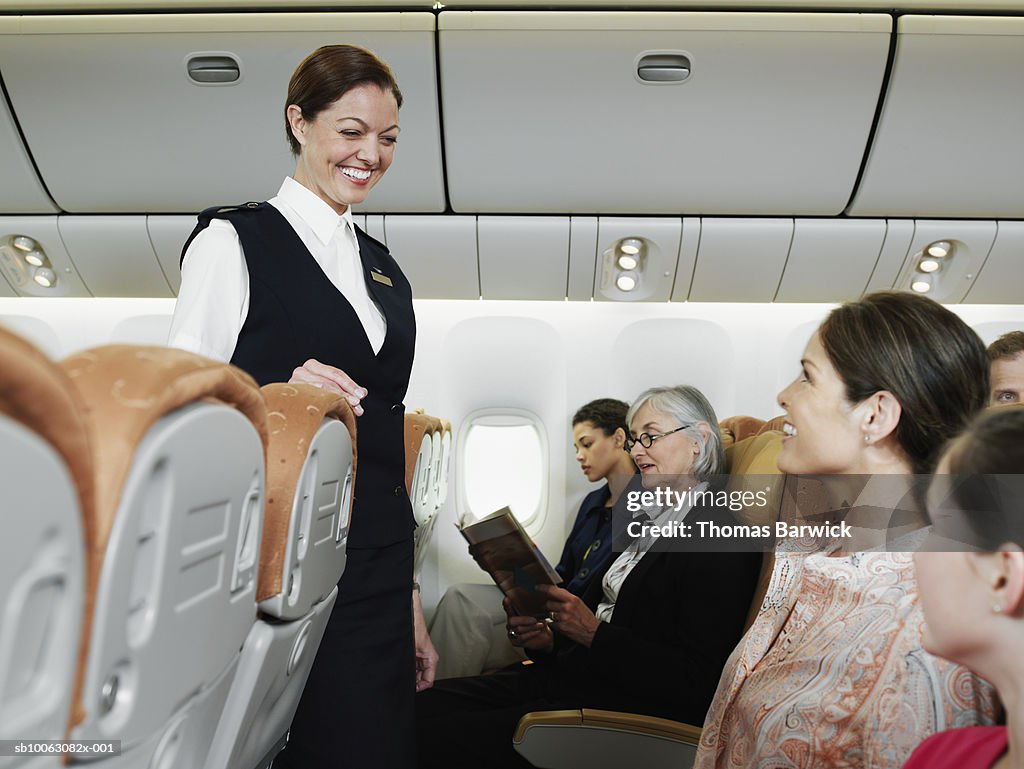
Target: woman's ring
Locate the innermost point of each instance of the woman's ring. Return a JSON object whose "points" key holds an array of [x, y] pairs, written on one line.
{"points": [[512, 634], [554, 616]]}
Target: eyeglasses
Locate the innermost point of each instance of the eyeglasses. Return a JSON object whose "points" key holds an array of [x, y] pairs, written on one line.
{"points": [[647, 440]]}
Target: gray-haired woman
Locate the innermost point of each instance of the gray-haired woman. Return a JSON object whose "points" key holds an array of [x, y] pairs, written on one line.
{"points": [[665, 623]]}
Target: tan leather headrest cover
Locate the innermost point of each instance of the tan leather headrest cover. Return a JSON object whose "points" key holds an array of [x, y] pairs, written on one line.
{"points": [[125, 389], [773, 425], [741, 427], [294, 415]]}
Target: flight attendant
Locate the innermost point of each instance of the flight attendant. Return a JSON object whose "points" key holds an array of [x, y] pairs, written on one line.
{"points": [[291, 290]]}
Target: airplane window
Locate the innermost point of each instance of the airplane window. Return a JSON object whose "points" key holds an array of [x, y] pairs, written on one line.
{"points": [[503, 463]]}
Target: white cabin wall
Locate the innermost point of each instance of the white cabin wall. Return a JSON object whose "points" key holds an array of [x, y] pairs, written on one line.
{"points": [[545, 357]]}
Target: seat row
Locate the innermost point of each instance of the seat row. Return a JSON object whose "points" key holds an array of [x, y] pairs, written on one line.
{"points": [[172, 540]]}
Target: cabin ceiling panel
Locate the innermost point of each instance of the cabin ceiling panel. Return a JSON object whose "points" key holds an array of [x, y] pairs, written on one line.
{"points": [[114, 255], [1001, 279], [21, 192], [895, 249], [582, 261], [948, 142], [830, 261], [772, 117], [437, 254], [168, 235], [523, 257], [740, 260], [131, 132]]}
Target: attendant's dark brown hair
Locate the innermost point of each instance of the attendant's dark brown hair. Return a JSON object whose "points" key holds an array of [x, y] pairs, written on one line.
{"points": [[329, 73], [926, 356]]}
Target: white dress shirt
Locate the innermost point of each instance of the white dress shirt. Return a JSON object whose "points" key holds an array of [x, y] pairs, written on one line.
{"points": [[630, 557], [214, 297]]}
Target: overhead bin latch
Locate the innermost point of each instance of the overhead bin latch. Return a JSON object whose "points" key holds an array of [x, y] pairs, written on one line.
{"points": [[663, 67], [213, 68]]}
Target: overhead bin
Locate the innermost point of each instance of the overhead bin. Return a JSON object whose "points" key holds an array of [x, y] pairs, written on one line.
{"points": [[654, 113], [20, 192], [171, 113], [948, 142]]}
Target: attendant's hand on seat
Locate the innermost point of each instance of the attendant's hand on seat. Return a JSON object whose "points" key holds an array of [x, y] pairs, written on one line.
{"points": [[527, 632], [330, 378], [426, 655], [569, 615]]}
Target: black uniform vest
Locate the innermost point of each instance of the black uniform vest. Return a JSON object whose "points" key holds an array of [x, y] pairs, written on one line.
{"points": [[296, 313]]}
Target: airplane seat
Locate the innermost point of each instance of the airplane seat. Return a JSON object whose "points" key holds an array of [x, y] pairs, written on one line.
{"points": [[419, 445], [773, 425], [445, 466], [735, 429], [422, 436], [46, 477], [311, 460], [178, 456], [600, 739]]}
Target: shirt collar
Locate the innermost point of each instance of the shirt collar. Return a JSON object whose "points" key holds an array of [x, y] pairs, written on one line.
{"points": [[320, 217]]}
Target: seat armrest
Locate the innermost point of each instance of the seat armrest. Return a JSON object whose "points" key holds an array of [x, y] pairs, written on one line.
{"points": [[603, 739]]}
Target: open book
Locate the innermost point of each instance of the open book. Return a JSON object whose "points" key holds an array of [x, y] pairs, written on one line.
{"points": [[505, 551]]}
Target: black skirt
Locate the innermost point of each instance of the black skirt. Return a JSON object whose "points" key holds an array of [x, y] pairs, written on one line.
{"points": [[357, 708]]}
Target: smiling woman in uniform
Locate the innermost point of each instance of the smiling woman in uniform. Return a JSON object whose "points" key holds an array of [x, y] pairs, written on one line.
{"points": [[291, 290]]}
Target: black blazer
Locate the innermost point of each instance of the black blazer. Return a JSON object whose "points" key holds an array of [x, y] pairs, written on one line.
{"points": [[677, 618]]}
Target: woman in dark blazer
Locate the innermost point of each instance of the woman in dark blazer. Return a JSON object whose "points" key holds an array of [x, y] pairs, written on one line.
{"points": [[667, 617], [292, 290]]}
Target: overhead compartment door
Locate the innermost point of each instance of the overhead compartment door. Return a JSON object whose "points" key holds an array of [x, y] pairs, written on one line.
{"points": [[949, 138], [658, 113], [20, 190], [172, 113]]}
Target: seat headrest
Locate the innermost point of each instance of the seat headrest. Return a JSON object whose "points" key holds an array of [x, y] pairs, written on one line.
{"points": [[124, 390], [735, 429], [36, 393], [416, 426], [294, 415], [750, 462], [773, 425]]}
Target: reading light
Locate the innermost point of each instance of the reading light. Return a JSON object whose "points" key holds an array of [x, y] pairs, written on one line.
{"points": [[631, 246], [928, 265], [922, 284], [23, 243], [939, 249], [625, 282], [628, 262], [45, 277], [35, 258]]}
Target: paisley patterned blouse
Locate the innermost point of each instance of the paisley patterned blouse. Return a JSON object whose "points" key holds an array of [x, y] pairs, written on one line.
{"points": [[832, 673]]}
